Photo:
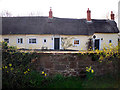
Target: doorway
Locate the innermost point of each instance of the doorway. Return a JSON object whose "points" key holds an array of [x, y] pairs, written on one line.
{"points": [[56, 43], [97, 44]]}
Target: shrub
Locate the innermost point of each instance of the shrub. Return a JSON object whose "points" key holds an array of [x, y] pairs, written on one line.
{"points": [[90, 44], [4, 45], [15, 65]]}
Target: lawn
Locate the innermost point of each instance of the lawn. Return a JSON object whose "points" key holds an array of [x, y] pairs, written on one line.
{"points": [[35, 80], [105, 81]]}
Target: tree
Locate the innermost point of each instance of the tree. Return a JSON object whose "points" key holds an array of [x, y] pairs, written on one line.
{"points": [[66, 42], [35, 13], [5, 14], [90, 44], [107, 16]]}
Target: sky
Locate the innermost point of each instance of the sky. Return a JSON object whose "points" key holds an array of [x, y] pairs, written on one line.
{"points": [[100, 9]]}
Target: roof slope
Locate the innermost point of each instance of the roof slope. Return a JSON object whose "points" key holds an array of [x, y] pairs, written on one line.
{"points": [[61, 26]]}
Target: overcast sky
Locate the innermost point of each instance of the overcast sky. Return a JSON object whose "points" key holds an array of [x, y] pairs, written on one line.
{"points": [[61, 8]]}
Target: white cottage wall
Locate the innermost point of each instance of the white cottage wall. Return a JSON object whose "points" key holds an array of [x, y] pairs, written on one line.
{"points": [[50, 40]]}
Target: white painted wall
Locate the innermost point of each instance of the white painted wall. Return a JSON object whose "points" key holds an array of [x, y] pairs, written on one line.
{"points": [[38, 45], [106, 38], [0, 29], [0, 38], [50, 40], [119, 16]]}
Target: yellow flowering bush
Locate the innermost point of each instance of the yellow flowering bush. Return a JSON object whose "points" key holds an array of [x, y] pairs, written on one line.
{"points": [[15, 67], [10, 64], [90, 73], [89, 69], [43, 73]]}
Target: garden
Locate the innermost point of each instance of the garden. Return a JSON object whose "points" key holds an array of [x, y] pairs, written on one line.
{"points": [[19, 71]]}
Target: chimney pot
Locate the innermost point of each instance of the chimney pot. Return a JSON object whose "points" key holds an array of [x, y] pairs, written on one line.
{"points": [[88, 15], [50, 13], [112, 15]]}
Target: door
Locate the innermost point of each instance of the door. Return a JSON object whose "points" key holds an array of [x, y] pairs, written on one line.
{"points": [[97, 44], [56, 43]]}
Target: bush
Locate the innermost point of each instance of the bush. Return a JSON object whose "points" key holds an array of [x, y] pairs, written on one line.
{"points": [[4, 45], [15, 65], [90, 44]]}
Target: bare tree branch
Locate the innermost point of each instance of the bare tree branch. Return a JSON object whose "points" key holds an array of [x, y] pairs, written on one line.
{"points": [[5, 13]]}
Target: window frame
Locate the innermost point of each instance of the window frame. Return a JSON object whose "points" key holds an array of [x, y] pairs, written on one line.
{"points": [[44, 39], [8, 40], [20, 41], [31, 42], [76, 44]]}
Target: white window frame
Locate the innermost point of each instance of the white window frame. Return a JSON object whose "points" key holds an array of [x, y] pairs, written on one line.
{"points": [[44, 39], [53, 37], [8, 40], [32, 38], [76, 44], [20, 41]]}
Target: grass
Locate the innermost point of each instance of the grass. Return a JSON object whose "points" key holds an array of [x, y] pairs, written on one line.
{"points": [[69, 82], [106, 81]]}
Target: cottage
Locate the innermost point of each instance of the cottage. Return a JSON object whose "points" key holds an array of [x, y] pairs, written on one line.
{"points": [[58, 33], [119, 18]]}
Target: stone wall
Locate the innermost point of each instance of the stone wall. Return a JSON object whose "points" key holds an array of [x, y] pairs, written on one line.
{"points": [[70, 64]]}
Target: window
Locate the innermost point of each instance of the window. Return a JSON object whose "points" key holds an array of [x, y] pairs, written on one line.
{"points": [[76, 42], [6, 40], [45, 41], [20, 40], [32, 40], [110, 41]]}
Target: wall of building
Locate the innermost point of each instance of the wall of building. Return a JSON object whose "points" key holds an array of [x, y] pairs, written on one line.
{"points": [[82, 41], [0, 29], [50, 40], [106, 37], [38, 45], [40, 38], [0, 38], [119, 18], [119, 15]]}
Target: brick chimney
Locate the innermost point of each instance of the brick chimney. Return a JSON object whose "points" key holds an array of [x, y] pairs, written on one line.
{"points": [[112, 15], [88, 15], [50, 13]]}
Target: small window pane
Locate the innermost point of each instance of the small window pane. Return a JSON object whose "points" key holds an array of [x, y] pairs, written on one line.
{"points": [[76, 41], [44, 40], [32, 40], [20, 40], [29, 40]]}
